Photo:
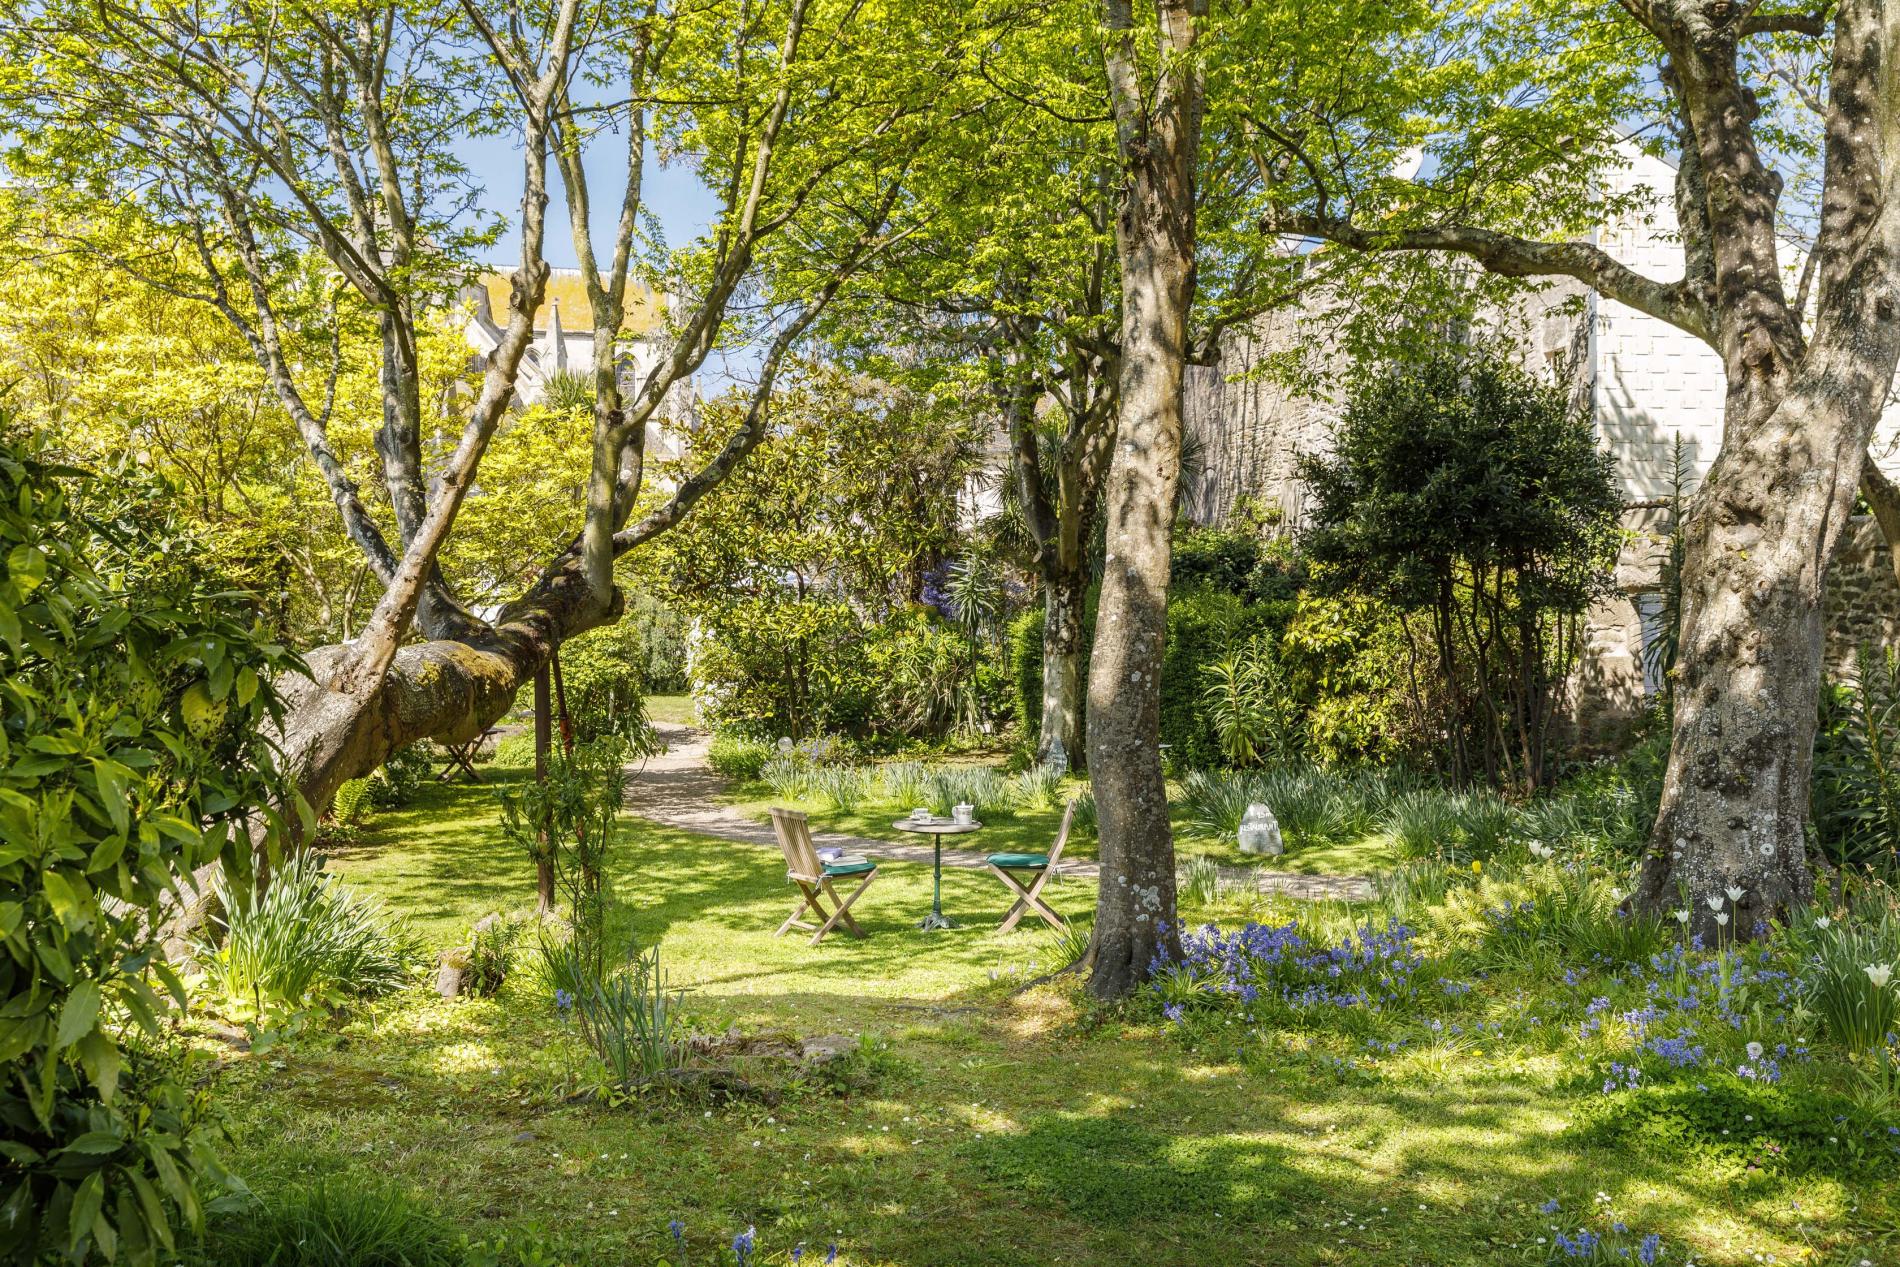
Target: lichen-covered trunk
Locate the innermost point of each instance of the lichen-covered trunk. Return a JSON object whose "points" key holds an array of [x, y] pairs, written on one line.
{"points": [[1062, 601], [1735, 795], [1158, 137]]}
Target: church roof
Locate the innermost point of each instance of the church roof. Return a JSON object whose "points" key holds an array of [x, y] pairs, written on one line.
{"points": [[567, 288]]}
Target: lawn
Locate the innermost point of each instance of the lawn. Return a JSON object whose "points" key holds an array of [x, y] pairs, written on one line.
{"points": [[980, 1124], [1033, 828]]}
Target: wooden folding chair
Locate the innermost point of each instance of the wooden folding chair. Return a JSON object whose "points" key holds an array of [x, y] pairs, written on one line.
{"points": [[1044, 866], [813, 878]]}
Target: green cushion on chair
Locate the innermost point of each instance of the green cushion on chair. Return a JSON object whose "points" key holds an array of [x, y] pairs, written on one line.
{"points": [[1023, 860], [849, 868]]}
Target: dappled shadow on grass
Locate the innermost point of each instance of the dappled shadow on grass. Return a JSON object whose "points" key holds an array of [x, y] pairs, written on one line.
{"points": [[1106, 1146]]}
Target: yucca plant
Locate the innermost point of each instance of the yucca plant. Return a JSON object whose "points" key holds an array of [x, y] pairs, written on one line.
{"points": [[307, 938], [904, 783], [1038, 787]]}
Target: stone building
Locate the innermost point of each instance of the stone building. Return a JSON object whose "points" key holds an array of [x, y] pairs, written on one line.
{"points": [[564, 343], [1645, 384]]}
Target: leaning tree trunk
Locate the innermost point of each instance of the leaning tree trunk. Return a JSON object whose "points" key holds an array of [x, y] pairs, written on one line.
{"points": [[1063, 596], [1158, 136]]}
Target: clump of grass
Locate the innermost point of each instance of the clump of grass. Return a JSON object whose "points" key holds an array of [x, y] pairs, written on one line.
{"points": [[904, 783], [308, 938], [1855, 975], [1450, 826], [790, 777], [1314, 806], [336, 1224], [1037, 787], [843, 787], [975, 785], [1201, 882]]}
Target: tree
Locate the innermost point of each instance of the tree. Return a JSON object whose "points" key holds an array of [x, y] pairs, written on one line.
{"points": [[1462, 487], [1804, 395], [251, 133], [1155, 87]]}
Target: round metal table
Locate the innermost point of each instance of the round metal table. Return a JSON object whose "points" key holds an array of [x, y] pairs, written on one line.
{"points": [[936, 829]]}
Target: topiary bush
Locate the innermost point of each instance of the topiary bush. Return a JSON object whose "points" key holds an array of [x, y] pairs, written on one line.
{"points": [[135, 694]]}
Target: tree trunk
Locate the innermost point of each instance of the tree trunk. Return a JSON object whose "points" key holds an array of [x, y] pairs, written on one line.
{"points": [[1735, 796], [1158, 137], [1883, 498], [1062, 602]]}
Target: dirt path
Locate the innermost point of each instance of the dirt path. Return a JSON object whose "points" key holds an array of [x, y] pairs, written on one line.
{"points": [[680, 790]]}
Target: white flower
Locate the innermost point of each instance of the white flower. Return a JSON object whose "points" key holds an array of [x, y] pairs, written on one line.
{"points": [[1617, 895], [1822, 921], [1735, 894], [1754, 1051], [1879, 974], [1682, 915], [1715, 902], [1721, 917]]}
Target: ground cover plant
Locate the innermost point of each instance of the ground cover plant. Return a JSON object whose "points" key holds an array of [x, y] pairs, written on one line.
{"points": [[1362, 1106]]}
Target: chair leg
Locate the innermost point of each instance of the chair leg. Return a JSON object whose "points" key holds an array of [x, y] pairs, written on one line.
{"points": [[1027, 899], [810, 903], [844, 909]]}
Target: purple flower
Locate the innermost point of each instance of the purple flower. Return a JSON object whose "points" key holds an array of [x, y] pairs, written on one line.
{"points": [[831, 1253], [1648, 1249], [742, 1247], [1550, 1206], [678, 1229], [563, 1000]]}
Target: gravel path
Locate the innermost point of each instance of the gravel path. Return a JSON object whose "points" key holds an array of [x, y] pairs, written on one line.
{"points": [[680, 790]]}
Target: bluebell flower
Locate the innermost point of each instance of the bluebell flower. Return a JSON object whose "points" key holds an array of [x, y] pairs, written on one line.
{"points": [[1550, 1206], [831, 1253], [798, 1251], [742, 1246], [1648, 1249], [563, 1000], [678, 1229]]}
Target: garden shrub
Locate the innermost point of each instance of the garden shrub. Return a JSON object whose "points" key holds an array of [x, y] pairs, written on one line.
{"points": [[516, 751], [1345, 658], [401, 778], [738, 758], [1461, 489], [603, 680], [307, 939], [1855, 794], [135, 691], [1314, 805]]}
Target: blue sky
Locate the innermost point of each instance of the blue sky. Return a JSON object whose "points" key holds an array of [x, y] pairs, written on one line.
{"points": [[674, 195]]}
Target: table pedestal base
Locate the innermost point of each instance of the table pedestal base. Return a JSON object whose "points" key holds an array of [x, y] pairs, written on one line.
{"points": [[936, 920]]}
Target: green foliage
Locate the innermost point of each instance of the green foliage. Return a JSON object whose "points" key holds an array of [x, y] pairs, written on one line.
{"points": [[738, 758], [1460, 488], [1856, 789], [350, 803], [1540, 916], [337, 1223], [309, 939], [492, 942], [630, 1020], [1314, 805], [569, 821], [516, 751], [1745, 1124], [397, 781], [603, 679], [1250, 706], [1453, 826], [1345, 657], [1853, 974], [135, 692]]}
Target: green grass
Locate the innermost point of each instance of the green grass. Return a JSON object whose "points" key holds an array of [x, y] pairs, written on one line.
{"points": [[1033, 829], [677, 709], [992, 1128]]}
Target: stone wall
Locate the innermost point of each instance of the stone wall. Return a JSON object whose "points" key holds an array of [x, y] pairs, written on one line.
{"points": [[1611, 689]]}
